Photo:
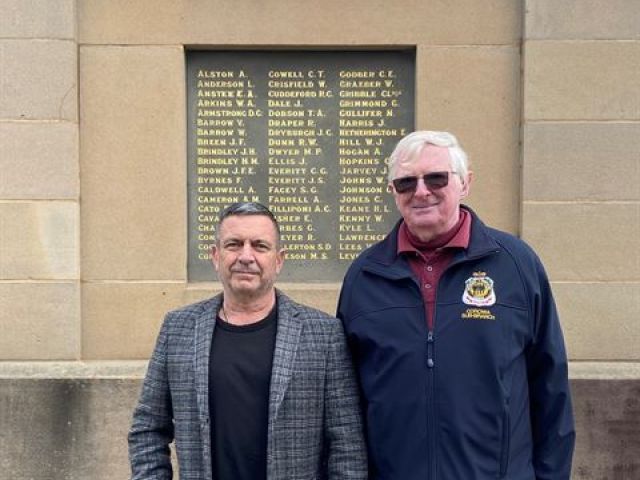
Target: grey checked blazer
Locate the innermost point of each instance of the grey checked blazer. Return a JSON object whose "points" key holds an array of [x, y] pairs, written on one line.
{"points": [[315, 423]]}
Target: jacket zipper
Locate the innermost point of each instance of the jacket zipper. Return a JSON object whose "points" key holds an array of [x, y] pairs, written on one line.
{"points": [[431, 416], [431, 402]]}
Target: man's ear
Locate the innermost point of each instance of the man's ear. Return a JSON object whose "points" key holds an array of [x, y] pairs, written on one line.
{"points": [[280, 256], [215, 256], [466, 185]]}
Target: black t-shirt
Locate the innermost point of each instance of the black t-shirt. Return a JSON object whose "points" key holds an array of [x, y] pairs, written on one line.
{"points": [[239, 380]]}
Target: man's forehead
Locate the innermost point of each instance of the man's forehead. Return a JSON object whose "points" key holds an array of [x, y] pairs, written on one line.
{"points": [[248, 226], [428, 155]]}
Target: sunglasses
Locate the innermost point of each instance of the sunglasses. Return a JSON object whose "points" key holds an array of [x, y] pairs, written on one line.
{"points": [[433, 181]]}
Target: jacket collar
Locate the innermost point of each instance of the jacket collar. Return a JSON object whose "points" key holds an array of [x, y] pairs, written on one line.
{"points": [[384, 260], [204, 326]]}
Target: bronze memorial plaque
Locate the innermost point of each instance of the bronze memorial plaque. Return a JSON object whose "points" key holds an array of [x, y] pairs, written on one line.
{"points": [[306, 133]]}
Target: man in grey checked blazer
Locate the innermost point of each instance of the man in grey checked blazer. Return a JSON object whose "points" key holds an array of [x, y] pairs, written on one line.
{"points": [[311, 427]]}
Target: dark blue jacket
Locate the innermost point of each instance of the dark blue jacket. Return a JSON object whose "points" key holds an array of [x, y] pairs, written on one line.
{"points": [[485, 395]]}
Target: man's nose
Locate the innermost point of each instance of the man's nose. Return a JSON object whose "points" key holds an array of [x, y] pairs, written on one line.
{"points": [[421, 188], [246, 253]]}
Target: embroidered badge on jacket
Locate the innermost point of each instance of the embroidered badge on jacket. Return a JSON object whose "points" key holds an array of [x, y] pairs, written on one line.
{"points": [[479, 291]]}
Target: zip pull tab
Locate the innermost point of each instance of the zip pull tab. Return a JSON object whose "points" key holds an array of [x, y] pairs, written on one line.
{"points": [[430, 362]]}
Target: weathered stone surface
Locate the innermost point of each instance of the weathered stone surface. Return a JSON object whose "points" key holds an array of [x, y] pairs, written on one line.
{"points": [[582, 80], [608, 429], [588, 310], [582, 19], [122, 320], [581, 161], [38, 19], [585, 241], [39, 80], [133, 170], [39, 321], [39, 240], [39, 160], [331, 22], [72, 429]]}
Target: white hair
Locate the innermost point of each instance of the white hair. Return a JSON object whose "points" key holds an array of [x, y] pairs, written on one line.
{"points": [[409, 147]]}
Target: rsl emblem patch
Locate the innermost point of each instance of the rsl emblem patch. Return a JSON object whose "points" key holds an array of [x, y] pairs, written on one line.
{"points": [[479, 291]]}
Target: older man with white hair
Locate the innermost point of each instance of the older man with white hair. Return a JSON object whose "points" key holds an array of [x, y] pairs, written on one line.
{"points": [[455, 336]]}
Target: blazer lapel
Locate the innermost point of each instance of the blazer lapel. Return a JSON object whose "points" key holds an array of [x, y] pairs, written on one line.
{"points": [[204, 326], [287, 339]]}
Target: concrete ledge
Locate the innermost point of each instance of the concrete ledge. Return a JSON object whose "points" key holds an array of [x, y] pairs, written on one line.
{"points": [[70, 419], [73, 370], [607, 416], [65, 428], [135, 369], [604, 371]]}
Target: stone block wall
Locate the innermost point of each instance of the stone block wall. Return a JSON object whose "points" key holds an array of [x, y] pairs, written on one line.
{"points": [[581, 167], [543, 94], [581, 209], [39, 181]]}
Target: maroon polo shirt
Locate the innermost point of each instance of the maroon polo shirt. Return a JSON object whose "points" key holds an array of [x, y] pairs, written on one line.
{"points": [[429, 259]]}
